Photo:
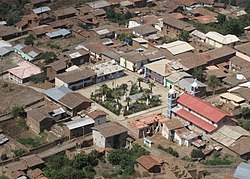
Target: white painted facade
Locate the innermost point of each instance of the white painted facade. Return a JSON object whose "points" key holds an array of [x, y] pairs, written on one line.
{"points": [[98, 139], [132, 24]]}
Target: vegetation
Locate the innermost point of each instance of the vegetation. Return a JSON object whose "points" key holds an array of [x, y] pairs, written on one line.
{"points": [[218, 160], [119, 18], [54, 45], [197, 153], [29, 40], [245, 122], [169, 150], [18, 112], [226, 25], [33, 142], [184, 35], [213, 82], [18, 152], [126, 158], [134, 89], [39, 78], [246, 113], [3, 177], [198, 73], [49, 57], [124, 36], [81, 166]]}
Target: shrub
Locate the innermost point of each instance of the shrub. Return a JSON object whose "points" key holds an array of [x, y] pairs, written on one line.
{"points": [[197, 153], [18, 112], [29, 40], [169, 150], [18, 152], [39, 78]]}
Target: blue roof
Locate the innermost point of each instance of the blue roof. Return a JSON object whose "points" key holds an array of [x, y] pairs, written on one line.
{"points": [[41, 10], [58, 33], [242, 171], [57, 93]]}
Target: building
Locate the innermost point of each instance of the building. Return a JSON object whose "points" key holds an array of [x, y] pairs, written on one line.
{"points": [[59, 33], [144, 30], [41, 10], [54, 94], [23, 72], [198, 36], [242, 171], [107, 71], [235, 139], [218, 40], [99, 116], [147, 125], [243, 51], [175, 131], [148, 20], [177, 47], [148, 164], [79, 127], [135, 60], [199, 115], [9, 32], [100, 4], [94, 48], [5, 48], [39, 119], [15, 169], [174, 78], [38, 3], [172, 26], [65, 13], [55, 68], [27, 52], [105, 31], [76, 79], [109, 135], [78, 57], [40, 31], [33, 161], [192, 86], [73, 103]]}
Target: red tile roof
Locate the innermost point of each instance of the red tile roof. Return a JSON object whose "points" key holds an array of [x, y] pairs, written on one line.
{"points": [[201, 107], [195, 120], [148, 161]]}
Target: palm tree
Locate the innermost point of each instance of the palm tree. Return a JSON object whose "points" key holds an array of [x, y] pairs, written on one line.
{"points": [[213, 82], [128, 99], [124, 87], [139, 81], [151, 85]]}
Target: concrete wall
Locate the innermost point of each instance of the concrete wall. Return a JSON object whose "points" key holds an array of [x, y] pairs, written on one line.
{"points": [[100, 120], [98, 139]]}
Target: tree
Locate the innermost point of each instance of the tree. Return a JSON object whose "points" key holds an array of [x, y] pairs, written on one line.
{"points": [[151, 85], [49, 57], [197, 153], [18, 112], [233, 26], [124, 87], [184, 35], [213, 82], [29, 40], [39, 78], [197, 73], [139, 81], [221, 18], [246, 113]]}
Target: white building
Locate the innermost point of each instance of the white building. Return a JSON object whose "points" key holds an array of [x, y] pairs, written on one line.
{"points": [[108, 71]]}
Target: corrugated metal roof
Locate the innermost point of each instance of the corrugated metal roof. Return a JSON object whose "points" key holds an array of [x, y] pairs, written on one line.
{"points": [[223, 39], [57, 93], [177, 47], [242, 171], [5, 50], [79, 123], [41, 10], [232, 97], [58, 33]]}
